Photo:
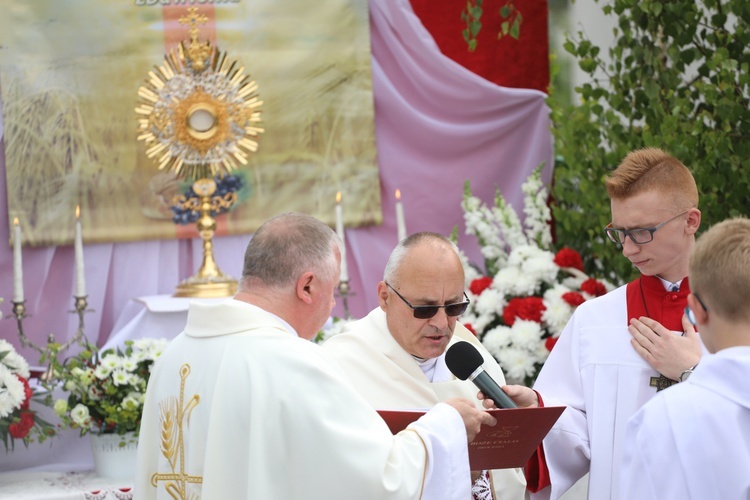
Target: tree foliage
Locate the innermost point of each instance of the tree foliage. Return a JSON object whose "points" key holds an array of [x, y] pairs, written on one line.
{"points": [[677, 79]]}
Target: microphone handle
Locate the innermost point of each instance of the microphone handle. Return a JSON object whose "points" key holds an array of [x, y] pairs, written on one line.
{"points": [[491, 390]]}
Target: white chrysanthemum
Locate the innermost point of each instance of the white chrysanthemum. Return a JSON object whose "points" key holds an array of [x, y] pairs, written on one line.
{"points": [[517, 364], [129, 363], [111, 361], [12, 392], [496, 340], [80, 415], [526, 334], [558, 311], [102, 372], [512, 281], [490, 302], [14, 361], [130, 403], [121, 377], [156, 349], [541, 353], [542, 268]]}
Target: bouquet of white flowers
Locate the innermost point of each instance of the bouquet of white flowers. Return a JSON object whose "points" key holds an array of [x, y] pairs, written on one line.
{"points": [[106, 390], [526, 294]]}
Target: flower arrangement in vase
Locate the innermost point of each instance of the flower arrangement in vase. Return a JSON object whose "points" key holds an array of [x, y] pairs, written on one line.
{"points": [[17, 419], [526, 293], [106, 390]]}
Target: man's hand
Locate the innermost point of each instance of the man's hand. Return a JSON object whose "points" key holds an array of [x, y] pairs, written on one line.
{"points": [[521, 395], [667, 353], [473, 417]]}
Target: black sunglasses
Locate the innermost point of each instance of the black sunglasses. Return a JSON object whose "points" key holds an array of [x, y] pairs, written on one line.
{"points": [[427, 312]]}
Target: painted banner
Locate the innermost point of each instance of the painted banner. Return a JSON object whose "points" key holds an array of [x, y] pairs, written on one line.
{"points": [[70, 71]]}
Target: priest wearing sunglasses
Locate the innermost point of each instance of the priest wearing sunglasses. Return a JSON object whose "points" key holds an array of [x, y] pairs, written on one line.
{"points": [[395, 356]]}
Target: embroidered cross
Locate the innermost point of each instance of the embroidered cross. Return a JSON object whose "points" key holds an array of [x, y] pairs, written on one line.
{"points": [[174, 412], [661, 382]]}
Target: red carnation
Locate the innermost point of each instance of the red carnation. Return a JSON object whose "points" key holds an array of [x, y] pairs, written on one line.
{"points": [[27, 392], [550, 343], [567, 257], [470, 328], [575, 299], [593, 287], [528, 308], [20, 429], [480, 284]]}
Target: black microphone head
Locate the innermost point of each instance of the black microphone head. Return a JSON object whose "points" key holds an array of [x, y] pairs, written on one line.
{"points": [[463, 359]]}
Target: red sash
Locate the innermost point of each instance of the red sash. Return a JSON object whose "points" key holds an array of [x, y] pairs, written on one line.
{"points": [[646, 296]]}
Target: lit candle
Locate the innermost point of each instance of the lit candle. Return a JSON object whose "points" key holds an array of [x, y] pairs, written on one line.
{"points": [[400, 222], [340, 232], [17, 263], [80, 277]]}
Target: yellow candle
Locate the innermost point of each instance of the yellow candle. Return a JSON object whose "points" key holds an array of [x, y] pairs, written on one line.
{"points": [[80, 284], [400, 221], [17, 263], [340, 232]]}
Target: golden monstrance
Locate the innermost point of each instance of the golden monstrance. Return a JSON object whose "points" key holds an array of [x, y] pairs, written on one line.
{"points": [[198, 115]]}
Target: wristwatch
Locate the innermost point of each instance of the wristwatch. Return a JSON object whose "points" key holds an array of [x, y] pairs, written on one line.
{"points": [[685, 374]]}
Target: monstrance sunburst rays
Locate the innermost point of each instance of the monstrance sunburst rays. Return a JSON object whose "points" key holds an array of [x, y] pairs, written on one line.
{"points": [[198, 115], [198, 112]]}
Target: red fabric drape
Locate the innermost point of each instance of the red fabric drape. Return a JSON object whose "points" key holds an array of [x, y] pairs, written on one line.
{"points": [[522, 63]]}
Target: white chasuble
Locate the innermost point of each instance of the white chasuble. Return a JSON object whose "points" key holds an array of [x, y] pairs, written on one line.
{"points": [[596, 372], [239, 407], [692, 441], [390, 378]]}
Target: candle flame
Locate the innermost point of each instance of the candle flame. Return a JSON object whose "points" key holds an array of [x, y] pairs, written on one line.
{"points": [[398, 194], [78, 211], [338, 197], [15, 221]]}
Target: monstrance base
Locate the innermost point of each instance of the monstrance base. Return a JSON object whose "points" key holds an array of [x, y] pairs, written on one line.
{"points": [[193, 287]]}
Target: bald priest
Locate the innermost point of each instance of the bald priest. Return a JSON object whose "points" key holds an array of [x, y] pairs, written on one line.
{"points": [[395, 356]]}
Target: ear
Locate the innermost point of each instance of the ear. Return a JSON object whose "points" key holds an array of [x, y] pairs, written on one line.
{"points": [[383, 295], [693, 221], [304, 287], [701, 316]]}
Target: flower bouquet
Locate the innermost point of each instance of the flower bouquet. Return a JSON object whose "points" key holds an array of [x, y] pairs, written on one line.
{"points": [[106, 390], [17, 419], [524, 297]]}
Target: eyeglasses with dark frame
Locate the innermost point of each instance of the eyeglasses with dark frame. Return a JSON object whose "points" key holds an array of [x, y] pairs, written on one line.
{"points": [[427, 312], [689, 312], [639, 236]]}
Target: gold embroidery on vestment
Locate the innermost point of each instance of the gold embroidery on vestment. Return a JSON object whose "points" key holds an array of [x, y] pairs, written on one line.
{"points": [[172, 416]]}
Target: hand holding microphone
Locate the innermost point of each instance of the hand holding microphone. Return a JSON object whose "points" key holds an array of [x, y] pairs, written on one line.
{"points": [[465, 362]]}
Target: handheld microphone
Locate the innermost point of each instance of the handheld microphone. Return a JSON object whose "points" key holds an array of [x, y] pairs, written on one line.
{"points": [[464, 361]]}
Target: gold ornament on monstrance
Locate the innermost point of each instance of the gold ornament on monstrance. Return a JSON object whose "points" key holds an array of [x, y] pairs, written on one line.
{"points": [[198, 114]]}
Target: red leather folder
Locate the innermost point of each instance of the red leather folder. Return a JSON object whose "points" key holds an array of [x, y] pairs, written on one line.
{"points": [[507, 444]]}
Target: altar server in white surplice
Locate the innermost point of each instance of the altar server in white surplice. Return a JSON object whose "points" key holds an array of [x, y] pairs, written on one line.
{"points": [[619, 349], [242, 406], [395, 356], [692, 442]]}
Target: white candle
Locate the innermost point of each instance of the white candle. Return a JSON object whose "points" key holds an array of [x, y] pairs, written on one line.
{"points": [[340, 232], [400, 222], [80, 275], [17, 263]]}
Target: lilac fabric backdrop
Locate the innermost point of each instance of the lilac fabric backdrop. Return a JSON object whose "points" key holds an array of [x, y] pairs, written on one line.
{"points": [[437, 124]]}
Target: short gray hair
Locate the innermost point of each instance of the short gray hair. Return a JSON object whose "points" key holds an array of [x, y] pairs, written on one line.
{"points": [[403, 247], [288, 245]]}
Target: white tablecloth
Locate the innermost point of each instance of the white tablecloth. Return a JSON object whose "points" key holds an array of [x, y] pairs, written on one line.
{"points": [[155, 316], [62, 486]]}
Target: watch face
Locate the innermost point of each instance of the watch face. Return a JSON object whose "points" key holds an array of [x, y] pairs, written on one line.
{"points": [[684, 375]]}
